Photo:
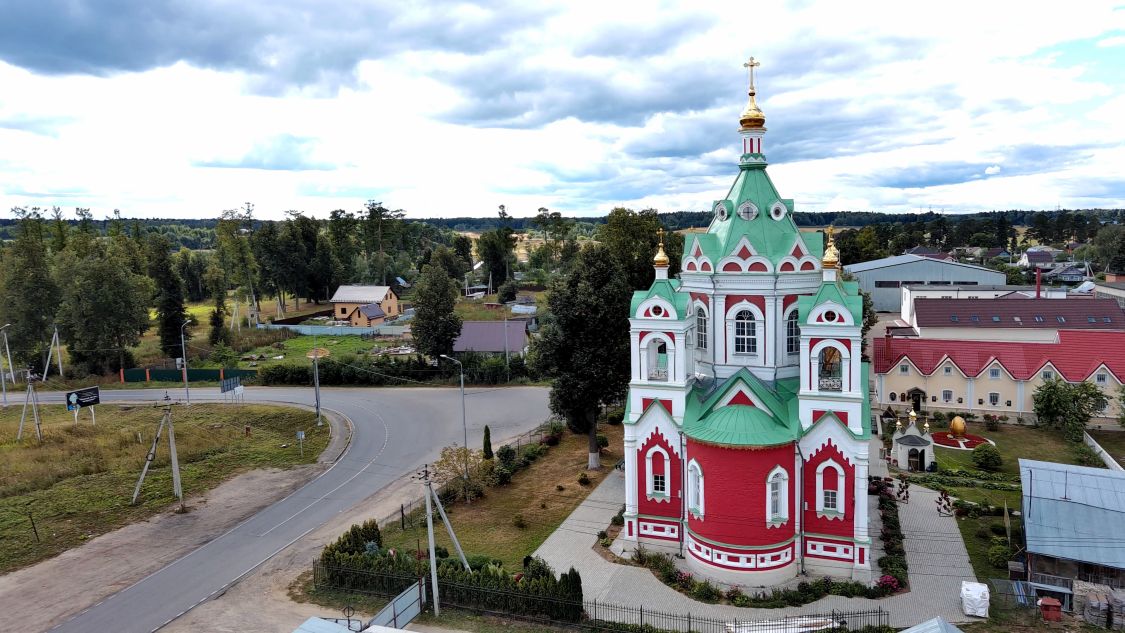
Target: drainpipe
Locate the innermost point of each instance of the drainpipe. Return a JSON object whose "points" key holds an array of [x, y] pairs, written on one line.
{"points": [[683, 491], [1038, 280], [801, 505]]}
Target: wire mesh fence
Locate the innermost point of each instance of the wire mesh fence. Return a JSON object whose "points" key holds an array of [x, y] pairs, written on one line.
{"points": [[593, 615]]}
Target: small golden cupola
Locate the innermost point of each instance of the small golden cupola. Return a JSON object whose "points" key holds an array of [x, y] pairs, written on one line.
{"points": [[752, 117], [831, 253], [660, 262]]}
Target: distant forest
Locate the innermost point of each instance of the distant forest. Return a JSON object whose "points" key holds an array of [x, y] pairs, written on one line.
{"points": [[199, 234]]}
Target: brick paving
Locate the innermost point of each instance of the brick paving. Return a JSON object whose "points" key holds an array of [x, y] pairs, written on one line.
{"points": [[935, 553]]}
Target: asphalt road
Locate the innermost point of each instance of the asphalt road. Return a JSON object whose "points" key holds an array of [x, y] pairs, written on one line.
{"points": [[394, 431]]}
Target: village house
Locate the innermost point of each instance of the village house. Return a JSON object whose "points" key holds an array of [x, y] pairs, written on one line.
{"points": [[990, 355], [364, 306]]}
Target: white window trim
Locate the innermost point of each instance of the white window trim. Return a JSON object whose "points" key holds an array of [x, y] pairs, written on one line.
{"points": [[947, 370], [695, 489], [990, 402], [998, 375], [781, 518], [945, 391], [903, 369], [1047, 374], [841, 491], [658, 496], [793, 315], [759, 321], [751, 339], [1101, 379], [701, 334]]}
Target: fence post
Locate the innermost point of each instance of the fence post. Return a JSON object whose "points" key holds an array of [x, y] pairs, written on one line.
{"points": [[595, 608], [642, 615], [689, 621]]}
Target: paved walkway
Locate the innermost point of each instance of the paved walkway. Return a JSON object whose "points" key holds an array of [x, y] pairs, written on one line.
{"points": [[934, 551]]}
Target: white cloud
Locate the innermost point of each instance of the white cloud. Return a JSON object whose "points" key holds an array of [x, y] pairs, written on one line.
{"points": [[615, 106]]}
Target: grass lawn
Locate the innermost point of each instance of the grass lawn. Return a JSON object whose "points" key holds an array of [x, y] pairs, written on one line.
{"points": [[1013, 442], [295, 349], [78, 483], [474, 310], [1113, 442], [485, 526]]}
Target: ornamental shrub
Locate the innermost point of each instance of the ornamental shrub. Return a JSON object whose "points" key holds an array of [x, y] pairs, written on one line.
{"points": [[519, 521], [603, 441], [986, 457], [583, 479], [615, 417], [506, 456], [998, 556], [503, 476]]}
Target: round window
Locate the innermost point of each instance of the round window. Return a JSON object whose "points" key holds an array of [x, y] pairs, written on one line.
{"points": [[777, 211], [747, 210], [721, 210], [657, 311], [830, 316]]}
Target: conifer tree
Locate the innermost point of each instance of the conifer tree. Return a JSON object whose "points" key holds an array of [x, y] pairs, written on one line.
{"points": [[436, 325], [487, 443], [169, 299]]}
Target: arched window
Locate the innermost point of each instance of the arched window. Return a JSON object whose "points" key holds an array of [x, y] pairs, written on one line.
{"points": [[792, 334], [695, 488], [745, 333], [830, 493], [700, 328], [658, 469], [777, 496], [831, 370]]}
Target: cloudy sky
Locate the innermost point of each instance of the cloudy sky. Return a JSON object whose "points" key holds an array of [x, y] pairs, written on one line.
{"points": [[183, 109]]}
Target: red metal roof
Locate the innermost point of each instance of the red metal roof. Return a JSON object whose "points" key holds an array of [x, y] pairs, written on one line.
{"points": [[1076, 354], [1106, 314]]}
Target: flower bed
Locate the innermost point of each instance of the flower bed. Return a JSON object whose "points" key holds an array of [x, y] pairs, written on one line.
{"points": [[966, 442], [893, 563]]}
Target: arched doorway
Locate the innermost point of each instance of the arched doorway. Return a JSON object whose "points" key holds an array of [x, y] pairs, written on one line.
{"points": [[916, 459], [917, 398]]}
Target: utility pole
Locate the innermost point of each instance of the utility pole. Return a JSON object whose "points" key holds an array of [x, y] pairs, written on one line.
{"points": [[8, 352], [183, 350], [3, 375], [54, 348], [464, 424], [177, 487], [32, 400], [316, 378], [430, 537]]}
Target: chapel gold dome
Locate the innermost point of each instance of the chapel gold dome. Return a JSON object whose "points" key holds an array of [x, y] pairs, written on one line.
{"points": [[752, 117], [957, 426]]}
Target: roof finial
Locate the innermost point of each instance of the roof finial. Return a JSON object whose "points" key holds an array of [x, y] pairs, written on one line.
{"points": [[752, 117], [831, 253], [661, 259]]}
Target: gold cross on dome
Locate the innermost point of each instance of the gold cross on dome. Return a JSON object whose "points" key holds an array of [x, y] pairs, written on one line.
{"points": [[751, 64], [660, 236]]}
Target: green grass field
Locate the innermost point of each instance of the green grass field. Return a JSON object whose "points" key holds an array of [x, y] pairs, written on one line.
{"points": [[486, 525], [79, 481], [1113, 442]]}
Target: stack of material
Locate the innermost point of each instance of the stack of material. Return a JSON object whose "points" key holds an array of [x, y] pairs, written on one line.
{"points": [[1117, 607], [1081, 589], [1097, 608]]}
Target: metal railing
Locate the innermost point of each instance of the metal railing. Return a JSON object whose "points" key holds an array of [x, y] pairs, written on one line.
{"points": [[1052, 580], [593, 615]]}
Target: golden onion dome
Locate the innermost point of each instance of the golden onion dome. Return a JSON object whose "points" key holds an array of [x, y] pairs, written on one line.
{"points": [[752, 117], [831, 257], [957, 426], [661, 260]]}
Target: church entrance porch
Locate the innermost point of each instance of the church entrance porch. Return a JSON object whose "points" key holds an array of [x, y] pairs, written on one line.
{"points": [[916, 397]]}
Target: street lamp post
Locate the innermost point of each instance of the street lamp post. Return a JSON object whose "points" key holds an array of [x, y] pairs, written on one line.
{"points": [[464, 424], [3, 378], [183, 350]]}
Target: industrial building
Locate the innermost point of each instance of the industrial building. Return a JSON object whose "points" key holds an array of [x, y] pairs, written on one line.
{"points": [[883, 278]]}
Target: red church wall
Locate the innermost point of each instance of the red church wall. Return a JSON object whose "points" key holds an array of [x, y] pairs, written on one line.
{"points": [[818, 525], [734, 493], [670, 505]]}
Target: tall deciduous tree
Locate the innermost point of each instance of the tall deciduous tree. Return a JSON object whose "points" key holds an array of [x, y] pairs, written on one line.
{"points": [[169, 299], [1068, 407], [216, 280], [436, 325], [104, 312], [495, 249], [631, 239], [380, 226], [30, 295], [584, 342]]}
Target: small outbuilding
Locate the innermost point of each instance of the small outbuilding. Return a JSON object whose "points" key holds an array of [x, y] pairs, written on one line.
{"points": [[912, 448]]}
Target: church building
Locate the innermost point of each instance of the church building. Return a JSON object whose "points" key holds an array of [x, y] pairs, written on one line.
{"points": [[748, 418]]}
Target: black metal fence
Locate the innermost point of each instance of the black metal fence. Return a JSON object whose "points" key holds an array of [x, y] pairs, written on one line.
{"points": [[593, 615]]}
